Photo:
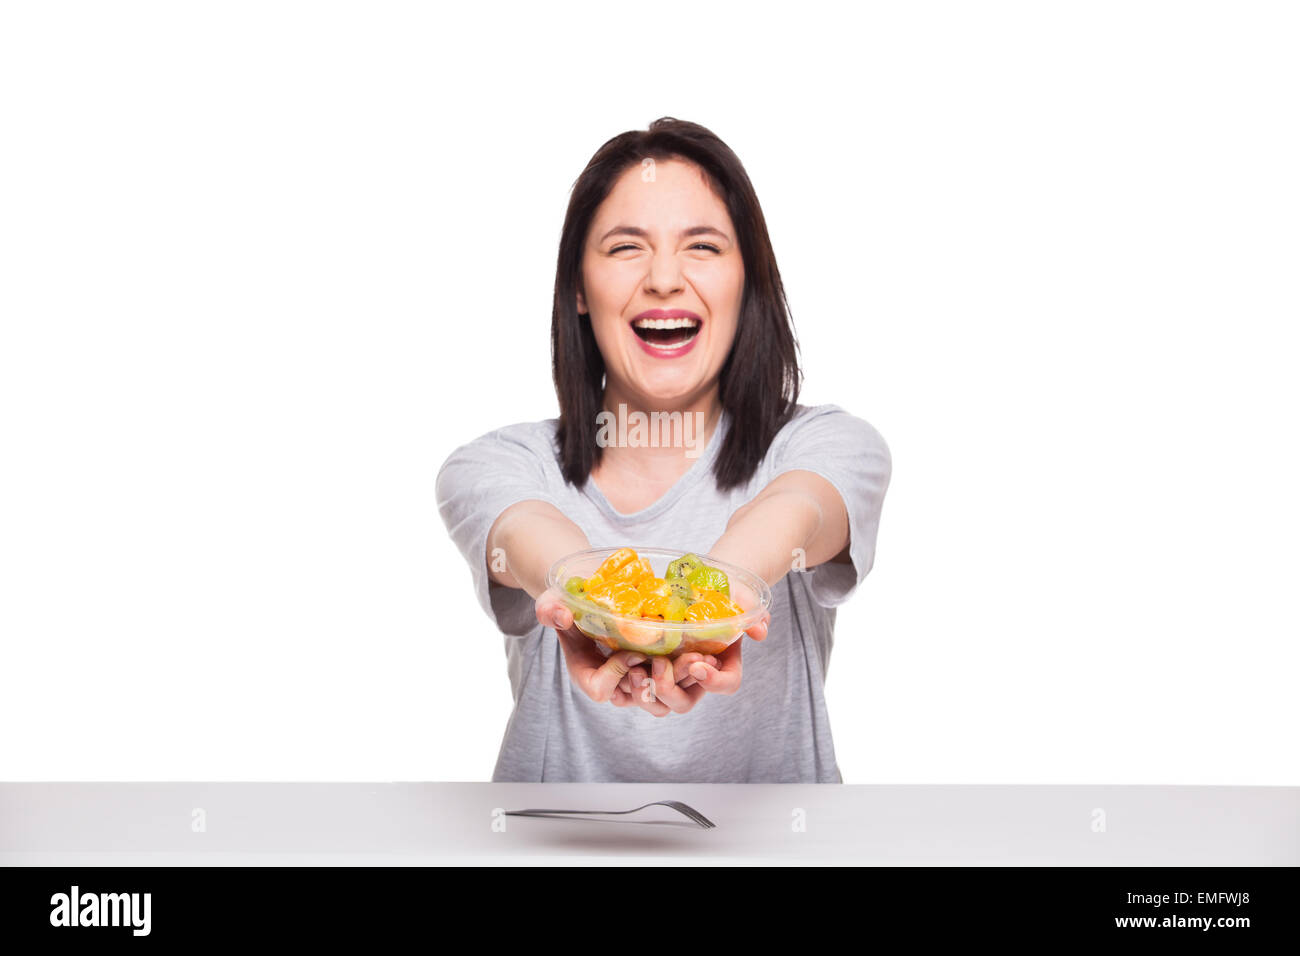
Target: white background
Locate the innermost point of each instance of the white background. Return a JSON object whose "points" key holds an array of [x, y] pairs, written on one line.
{"points": [[264, 265]]}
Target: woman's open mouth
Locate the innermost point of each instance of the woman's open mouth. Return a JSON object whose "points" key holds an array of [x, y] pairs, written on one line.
{"points": [[666, 335]]}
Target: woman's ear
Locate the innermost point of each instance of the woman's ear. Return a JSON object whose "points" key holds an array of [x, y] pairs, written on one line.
{"points": [[582, 304]]}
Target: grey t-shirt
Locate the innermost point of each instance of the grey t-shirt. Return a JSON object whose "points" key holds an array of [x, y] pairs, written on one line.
{"points": [[774, 729]]}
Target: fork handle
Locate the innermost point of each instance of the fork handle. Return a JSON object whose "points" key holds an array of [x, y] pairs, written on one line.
{"points": [[543, 812]]}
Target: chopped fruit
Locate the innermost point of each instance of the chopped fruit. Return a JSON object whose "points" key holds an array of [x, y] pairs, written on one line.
{"points": [[634, 572], [682, 589], [683, 566], [617, 597], [626, 586], [615, 561], [706, 578], [642, 635]]}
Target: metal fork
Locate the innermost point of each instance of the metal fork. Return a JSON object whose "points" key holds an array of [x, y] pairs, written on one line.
{"points": [[685, 810]]}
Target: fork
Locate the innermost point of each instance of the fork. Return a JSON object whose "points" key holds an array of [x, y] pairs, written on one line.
{"points": [[685, 810]]}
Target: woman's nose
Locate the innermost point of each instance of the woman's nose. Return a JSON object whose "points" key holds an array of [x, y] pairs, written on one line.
{"points": [[664, 276]]}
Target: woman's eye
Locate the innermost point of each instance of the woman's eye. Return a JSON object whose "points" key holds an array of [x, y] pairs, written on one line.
{"points": [[698, 245]]}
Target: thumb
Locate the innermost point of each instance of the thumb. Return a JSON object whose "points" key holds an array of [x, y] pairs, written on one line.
{"points": [[551, 611]]}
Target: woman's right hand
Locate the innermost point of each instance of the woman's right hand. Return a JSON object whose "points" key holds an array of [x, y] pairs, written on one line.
{"points": [[596, 675]]}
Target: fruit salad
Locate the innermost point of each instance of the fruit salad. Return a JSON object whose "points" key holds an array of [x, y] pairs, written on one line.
{"points": [[690, 591]]}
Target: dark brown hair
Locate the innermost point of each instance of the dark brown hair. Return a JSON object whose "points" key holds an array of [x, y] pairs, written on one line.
{"points": [[759, 382]]}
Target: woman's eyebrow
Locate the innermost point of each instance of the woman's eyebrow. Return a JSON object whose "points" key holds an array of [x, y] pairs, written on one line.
{"points": [[638, 231]]}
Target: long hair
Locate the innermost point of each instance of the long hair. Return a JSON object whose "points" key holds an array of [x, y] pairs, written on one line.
{"points": [[759, 382]]}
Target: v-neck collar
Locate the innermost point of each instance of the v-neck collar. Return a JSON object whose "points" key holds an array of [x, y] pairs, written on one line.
{"points": [[700, 469]]}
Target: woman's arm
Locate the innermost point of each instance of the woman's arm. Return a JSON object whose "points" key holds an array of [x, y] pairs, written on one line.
{"points": [[525, 540], [523, 543], [798, 513], [797, 510]]}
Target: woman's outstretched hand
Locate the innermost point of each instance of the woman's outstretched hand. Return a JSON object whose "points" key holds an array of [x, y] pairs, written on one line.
{"points": [[595, 674], [658, 685], [663, 685]]}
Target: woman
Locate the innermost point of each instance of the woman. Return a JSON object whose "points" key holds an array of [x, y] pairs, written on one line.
{"points": [[668, 299]]}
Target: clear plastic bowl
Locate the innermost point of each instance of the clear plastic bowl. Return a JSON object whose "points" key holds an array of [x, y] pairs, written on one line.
{"points": [[626, 632]]}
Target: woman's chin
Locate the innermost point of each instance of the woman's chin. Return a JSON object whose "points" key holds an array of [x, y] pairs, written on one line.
{"points": [[666, 389], [665, 383]]}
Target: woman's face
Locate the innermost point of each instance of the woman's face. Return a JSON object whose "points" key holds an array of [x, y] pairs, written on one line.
{"points": [[662, 278]]}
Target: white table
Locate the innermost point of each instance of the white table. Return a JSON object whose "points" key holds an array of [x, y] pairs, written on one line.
{"points": [[113, 824]]}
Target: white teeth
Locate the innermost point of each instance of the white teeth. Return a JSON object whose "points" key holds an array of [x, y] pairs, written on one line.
{"points": [[683, 323]]}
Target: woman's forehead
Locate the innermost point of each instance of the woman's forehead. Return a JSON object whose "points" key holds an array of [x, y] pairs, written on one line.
{"points": [[672, 196]]}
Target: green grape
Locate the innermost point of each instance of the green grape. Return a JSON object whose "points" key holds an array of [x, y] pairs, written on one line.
{"points": [[578, 588]]}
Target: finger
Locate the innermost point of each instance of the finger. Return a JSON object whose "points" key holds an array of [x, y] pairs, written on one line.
{"points": [[692, 692], [593, 671], [658, 708], [634, 679], [638, 678], [631, 686], [621, 698], [666, 689], [601, 682], [682, 667], [759, 631], [724, 677], [645, 698], [644, 694]]}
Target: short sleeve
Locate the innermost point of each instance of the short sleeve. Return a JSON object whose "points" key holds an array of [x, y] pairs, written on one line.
{"points": [[476, 483], [852, 455]]}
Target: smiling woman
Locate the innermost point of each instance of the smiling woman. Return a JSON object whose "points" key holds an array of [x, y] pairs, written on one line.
{"points": [[668, 302], [666, 210]]}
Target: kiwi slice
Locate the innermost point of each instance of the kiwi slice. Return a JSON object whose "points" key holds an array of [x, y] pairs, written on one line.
{"points": [[710, 578], [675, 609], [682, 589], [683, 566]]}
